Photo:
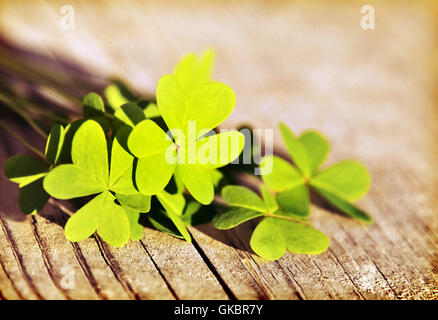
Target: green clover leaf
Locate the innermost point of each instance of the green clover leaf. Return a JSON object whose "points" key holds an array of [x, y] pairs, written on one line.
{"points": [[192, 71], [277, 232], [340, 184], [23, 169], [28, 172], [90, 173], [93, 105], [128, 114], [117, 94], [206, 107]]}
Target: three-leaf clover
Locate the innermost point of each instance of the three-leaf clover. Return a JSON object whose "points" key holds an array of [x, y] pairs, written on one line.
{"points": [[280, 230], [28, 172], [90, 174], [340, 184], [190, 118]]}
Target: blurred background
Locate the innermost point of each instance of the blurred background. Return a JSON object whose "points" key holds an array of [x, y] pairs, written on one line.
{"points": [[307, 63]]}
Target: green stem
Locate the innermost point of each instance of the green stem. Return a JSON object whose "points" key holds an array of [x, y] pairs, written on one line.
{"points": [[272, 215], [20, 139]]}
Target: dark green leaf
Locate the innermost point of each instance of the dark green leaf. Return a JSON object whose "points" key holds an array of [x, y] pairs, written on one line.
{"points": [[93, 105], [32, 197], [195, 214], [23, 169], [345, 207], [54, 143], [160, 221], [129, 114]]}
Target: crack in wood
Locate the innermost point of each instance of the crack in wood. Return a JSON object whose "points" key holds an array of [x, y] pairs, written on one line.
{"points": [[115, 268], [87, 271], [19, 259], [359, 293], [10, 280], [213, 270], [43, 248], [172, 291]]}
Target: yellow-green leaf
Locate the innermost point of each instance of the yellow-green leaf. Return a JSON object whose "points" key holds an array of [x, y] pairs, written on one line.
{"points": [[153, 173], [147, 139], [220, 149], [239, 196], [197, 179], [281, 176], [114, 226], [69, 181], [296, 150], [349, 180], [171, 102], [295, 200], [209, 105], [89, 152], [192, 71], [317, 147]]}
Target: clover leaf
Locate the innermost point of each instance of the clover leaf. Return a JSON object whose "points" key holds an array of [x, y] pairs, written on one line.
{"points": [[89, 174], [204, 108], [340, 184], [28, 172], [192, 71], [177, 214], [93, 105], [278, 231], [117, 94]]}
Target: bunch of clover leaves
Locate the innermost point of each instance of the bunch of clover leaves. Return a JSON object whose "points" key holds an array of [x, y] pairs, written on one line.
{"points": [[116, 158]]}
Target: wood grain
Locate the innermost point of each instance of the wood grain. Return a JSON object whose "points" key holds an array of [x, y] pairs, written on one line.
{"points": [[309, 64]]}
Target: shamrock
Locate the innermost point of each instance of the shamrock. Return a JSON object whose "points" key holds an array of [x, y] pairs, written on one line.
{"points": [[340, 184], [90, 174], [28, 172], [279, 230], [190, 150]]}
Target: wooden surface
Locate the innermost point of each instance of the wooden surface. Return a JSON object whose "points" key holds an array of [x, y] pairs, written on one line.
{"points": [[309, 64]]}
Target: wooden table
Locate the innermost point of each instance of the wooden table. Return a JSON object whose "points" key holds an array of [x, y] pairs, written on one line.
{"points": [[309, 64]]}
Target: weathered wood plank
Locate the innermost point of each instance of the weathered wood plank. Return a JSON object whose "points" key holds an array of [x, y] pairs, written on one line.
{"points": [[182, 266]]}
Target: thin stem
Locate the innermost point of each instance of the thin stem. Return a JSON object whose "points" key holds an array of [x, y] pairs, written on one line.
{"points": [[60, 206], [20, 139], [273, 215], [33, 107], [26, 117]]}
